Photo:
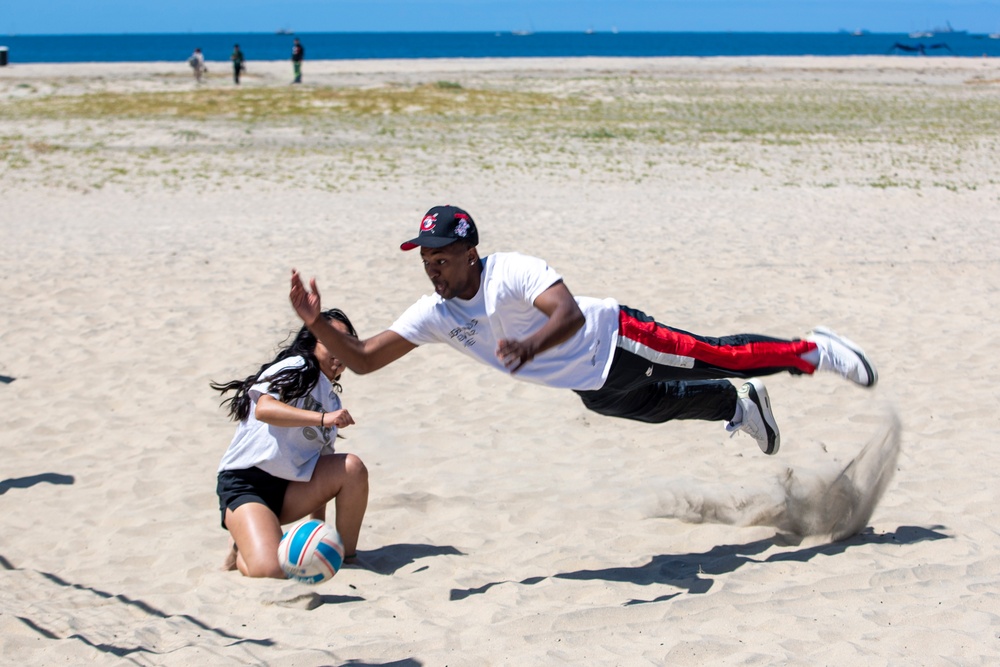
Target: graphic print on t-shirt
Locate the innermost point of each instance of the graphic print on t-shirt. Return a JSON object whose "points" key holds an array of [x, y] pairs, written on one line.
{"points": [[465, 334], [312, 433]]}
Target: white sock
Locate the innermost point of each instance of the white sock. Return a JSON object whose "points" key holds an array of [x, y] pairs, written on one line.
{"points": [[811, 357]]}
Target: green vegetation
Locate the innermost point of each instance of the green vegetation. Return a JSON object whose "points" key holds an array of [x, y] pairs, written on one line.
{"points": [[790, 133], [276, 104], [679, 111]]}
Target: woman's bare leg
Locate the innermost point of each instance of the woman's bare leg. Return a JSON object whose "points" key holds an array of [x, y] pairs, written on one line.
{"points": [[256, 534], [232, 552], [338, 476]]}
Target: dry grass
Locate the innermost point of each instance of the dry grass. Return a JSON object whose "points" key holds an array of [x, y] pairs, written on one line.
{"points": [[677, 108], [786, 131]]}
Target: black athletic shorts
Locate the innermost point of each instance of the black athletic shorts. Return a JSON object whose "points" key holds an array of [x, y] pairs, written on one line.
{"points": [[253, 485]]}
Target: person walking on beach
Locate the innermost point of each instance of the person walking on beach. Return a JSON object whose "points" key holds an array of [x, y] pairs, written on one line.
{"points": [[514, 313], [298, 54], [197, 63], [281, 464], [237, 58]]}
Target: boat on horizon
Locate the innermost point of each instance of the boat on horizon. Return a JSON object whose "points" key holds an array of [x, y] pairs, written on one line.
{"points": [[946, 30], [284, 31]]}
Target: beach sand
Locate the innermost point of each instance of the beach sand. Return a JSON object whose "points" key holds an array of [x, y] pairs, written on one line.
{"points": [[148, 232]]}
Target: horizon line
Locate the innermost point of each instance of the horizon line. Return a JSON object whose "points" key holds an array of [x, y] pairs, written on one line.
{"points": [[275, 33]]}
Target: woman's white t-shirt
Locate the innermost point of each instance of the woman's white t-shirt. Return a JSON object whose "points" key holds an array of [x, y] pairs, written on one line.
{"points": [[286, 452], [503, 308]]}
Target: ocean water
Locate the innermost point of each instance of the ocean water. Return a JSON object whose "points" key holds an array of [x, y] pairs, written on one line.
{"points": [[349, 46]]}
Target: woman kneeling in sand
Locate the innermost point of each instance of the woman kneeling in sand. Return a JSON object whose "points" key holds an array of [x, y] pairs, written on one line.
{"points": [[281, 464]]}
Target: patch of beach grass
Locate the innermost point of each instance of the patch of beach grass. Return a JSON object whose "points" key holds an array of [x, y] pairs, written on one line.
{"points": [[669, 111], [271, 104], [787, 133]]}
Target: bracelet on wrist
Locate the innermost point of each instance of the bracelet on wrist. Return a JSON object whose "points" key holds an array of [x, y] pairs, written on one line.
{"points": [[323, 428]]}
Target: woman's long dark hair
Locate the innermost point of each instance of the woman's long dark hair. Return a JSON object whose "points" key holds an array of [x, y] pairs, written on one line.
{"points": [[290, 383]]}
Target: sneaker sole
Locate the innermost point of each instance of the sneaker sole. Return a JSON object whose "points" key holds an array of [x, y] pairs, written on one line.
{"points": [[852, 346], [758, 394]]}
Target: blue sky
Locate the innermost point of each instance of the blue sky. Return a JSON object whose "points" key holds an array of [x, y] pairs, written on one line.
{"points": [[54, 17]]}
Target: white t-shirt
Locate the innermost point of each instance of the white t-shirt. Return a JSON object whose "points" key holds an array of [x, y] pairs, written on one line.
{"points": [[504, 308], [286, 452]]}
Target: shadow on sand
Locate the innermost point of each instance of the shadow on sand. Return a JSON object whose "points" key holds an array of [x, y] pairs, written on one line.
{"points": [[693, 572], [31, 480]]}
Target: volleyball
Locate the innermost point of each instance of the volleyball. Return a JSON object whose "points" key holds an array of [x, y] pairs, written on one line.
{"points": [[311, 552]]}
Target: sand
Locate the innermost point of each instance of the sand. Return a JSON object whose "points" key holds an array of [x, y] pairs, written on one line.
{"points": [[146, 251]]}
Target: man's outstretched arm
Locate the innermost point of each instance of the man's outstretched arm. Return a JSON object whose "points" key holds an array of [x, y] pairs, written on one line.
{"points": [[361, 356]]}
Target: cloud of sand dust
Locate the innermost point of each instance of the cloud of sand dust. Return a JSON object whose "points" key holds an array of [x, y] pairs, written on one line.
{"points": [[835, 504]]}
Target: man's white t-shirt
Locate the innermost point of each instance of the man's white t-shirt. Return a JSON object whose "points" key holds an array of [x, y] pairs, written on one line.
{"points": [[503, 308], [286, 452]]}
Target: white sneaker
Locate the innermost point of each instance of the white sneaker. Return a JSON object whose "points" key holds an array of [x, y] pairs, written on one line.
{"points": [[843, 357], [757, 420]]}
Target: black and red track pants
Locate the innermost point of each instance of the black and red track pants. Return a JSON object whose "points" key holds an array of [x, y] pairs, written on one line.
{"points": [[660, 373]]}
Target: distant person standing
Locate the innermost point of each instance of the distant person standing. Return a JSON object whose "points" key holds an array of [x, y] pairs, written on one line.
{"points": [[298, 54], [197, 63], [237, 58]]}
